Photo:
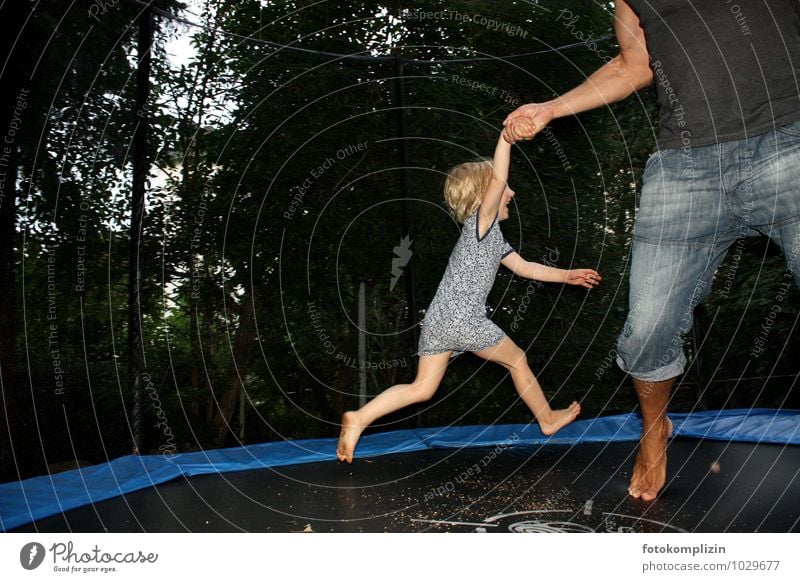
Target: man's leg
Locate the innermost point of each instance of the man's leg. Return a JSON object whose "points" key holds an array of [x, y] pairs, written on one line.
{"points": [[682, 232], [788, 238], [650, 471], [667, 282], [771, 195]]}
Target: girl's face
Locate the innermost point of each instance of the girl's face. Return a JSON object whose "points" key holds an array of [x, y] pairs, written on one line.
{"points": [[508, 194]]}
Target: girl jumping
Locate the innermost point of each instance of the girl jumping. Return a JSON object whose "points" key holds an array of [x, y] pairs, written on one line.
{"points": [[456, 321]]}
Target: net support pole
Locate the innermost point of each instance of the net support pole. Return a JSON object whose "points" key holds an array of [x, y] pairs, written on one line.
{"points": [[408, 271], [136, 364], [362, 344]]}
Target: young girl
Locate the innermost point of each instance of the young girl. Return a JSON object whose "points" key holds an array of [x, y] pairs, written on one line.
{"points": [[456, 320]]}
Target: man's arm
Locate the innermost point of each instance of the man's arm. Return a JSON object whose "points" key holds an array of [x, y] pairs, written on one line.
{"points": [[625, 74]]}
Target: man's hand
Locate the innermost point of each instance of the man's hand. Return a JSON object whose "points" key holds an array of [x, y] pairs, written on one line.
{"points": [[626, 73], [526, 121], [588, 278]]}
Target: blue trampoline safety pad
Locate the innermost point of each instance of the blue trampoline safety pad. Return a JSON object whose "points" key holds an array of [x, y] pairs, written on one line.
{"points": [[26, 501]]}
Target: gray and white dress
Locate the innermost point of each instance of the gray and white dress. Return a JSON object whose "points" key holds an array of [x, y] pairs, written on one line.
{"points": [[456, 319]]}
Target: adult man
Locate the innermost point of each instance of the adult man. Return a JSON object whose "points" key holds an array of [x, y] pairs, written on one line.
{"points": [[727, 166]]}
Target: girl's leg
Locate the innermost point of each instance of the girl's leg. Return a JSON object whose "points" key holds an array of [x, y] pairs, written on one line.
{"points": [[511, 357], [430, 371]]}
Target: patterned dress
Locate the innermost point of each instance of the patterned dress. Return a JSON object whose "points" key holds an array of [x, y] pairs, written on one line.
{"points": [[456, 319]]}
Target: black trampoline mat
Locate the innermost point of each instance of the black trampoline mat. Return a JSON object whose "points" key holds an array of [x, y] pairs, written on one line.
{"points": [[579, 488]]}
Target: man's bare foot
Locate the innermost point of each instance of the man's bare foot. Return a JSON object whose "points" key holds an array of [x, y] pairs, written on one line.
{"points": [[348, 438], [559, 419], [650, 471]]}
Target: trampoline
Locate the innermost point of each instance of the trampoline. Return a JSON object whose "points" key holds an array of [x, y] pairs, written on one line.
{"points": [[729, 471]]}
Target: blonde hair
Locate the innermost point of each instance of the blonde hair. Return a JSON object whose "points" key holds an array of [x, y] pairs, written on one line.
{"points": [[465, 186]]}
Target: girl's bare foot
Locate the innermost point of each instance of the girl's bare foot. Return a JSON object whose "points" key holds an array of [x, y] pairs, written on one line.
{"points": [[348, 438], [650, 471], [559, 419]]}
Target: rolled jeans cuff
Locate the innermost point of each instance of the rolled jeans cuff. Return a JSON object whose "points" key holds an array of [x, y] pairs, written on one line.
{"points": [[671, 370]]}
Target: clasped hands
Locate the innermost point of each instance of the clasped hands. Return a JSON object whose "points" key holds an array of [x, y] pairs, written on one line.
{"points": [[526, 121]]}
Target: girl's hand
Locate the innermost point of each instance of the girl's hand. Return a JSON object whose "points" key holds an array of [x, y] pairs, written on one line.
{"points": [[588, 278], [519, 128], [526, 121]]}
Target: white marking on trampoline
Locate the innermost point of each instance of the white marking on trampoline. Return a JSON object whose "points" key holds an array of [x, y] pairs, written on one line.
{"points": [[454, 522]]}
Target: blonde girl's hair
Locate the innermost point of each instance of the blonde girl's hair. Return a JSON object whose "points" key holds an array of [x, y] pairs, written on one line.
{"points": [[465, 186]]}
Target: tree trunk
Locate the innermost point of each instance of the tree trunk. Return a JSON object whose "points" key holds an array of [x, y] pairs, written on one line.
{"points": [[242, 349], [13, 109]]}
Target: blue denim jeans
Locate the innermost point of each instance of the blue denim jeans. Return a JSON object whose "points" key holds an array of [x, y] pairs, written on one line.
{"points": [[695, 203]]}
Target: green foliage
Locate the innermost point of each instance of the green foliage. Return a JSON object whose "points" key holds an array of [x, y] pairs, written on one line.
{"points": [[276, 190]]}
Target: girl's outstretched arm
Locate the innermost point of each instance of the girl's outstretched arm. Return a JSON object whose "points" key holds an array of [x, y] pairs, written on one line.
{"points": [[490, 204], [588, 278]]}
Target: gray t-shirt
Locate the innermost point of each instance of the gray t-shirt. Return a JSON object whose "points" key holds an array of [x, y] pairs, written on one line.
{"points": [[724, 69]]}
